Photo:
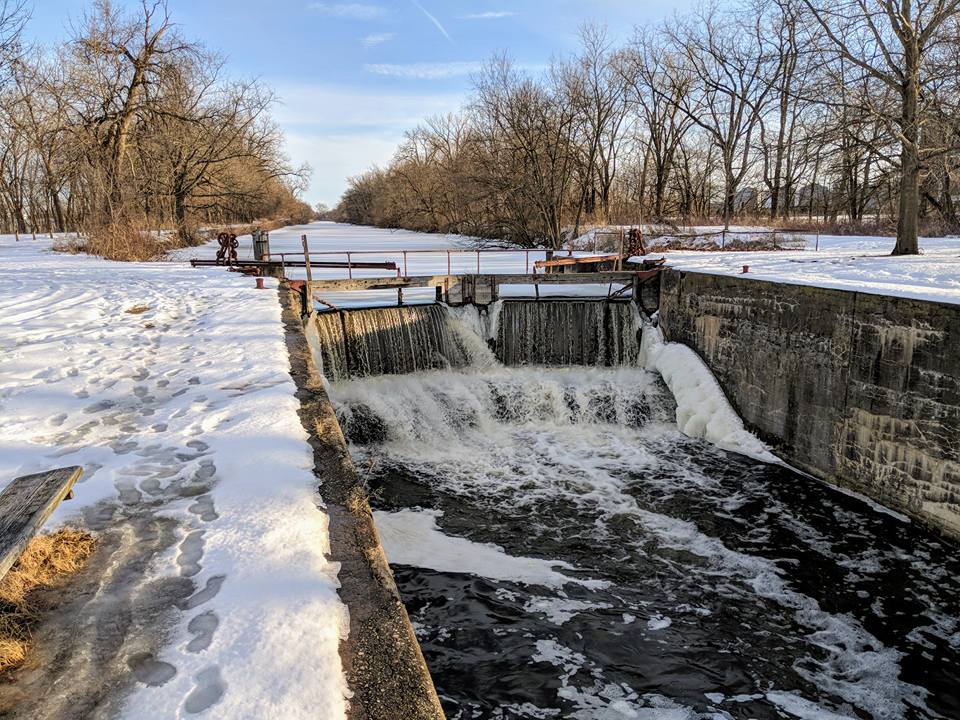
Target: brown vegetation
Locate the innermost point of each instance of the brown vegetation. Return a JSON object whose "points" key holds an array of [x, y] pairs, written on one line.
{"points": [[129, 128], [843, 114], [25, 591]]}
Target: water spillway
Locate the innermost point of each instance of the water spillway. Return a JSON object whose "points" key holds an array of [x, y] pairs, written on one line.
{"points": [[564, 551], [397, 340], [568, 332], [387, 341]]}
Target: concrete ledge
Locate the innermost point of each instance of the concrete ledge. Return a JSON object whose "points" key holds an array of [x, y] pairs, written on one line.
{"points": [[857, 389], [381, 658]]}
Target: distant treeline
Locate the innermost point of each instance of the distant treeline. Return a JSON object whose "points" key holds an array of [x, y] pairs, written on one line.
{"points": [[128, 126], [781, 109]]}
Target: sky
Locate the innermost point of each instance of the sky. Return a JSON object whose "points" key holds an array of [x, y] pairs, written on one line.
{"points": [[352, 77]]}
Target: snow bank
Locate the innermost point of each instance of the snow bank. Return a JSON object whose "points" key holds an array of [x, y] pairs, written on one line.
{"points": [[702, 409], [182, 414], [843, 262]]}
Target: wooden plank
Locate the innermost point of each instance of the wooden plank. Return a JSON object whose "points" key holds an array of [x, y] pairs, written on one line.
{"points": [[573, 260], [25, 505]]}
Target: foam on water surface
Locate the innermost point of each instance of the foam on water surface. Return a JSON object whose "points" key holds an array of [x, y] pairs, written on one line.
{"points": [[714, 565]]}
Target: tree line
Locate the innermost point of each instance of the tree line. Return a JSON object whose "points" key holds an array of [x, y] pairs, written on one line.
{"points": [[129, 126], [842, 112]]}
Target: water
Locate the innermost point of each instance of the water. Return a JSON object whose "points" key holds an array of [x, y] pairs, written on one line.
{"points": [[386, 341], [667, 578], [567, 332], [398, 340]]}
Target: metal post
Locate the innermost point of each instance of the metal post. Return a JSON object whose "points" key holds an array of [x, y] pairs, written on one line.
{"points": [[306, 257], [478, 262], [448, 262], [399, 297], [526, 262], [405, 273], [349, 267]]}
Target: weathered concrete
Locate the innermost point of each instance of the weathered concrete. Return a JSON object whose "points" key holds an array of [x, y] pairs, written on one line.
{"points": [[382, 660], [860, 390]]}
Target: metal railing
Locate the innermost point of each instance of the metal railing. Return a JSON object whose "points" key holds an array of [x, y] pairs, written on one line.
{"points": [[404, 254]]}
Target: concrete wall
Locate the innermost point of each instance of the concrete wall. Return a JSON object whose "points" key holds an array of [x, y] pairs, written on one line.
{"points": [[381, 658], [860, 390]]}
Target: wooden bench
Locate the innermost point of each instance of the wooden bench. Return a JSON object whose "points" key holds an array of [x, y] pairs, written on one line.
{"points": [[25, 505]]}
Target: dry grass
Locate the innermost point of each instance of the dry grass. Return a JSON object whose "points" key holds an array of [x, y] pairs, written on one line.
{"points": [[117, 241], [46, 564]]}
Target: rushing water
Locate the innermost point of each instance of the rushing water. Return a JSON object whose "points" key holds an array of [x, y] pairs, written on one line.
{"points": [[564, 551], [398, 340]]}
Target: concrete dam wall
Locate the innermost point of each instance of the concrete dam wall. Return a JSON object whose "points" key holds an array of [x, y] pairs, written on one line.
{"points": [[860, 390]]}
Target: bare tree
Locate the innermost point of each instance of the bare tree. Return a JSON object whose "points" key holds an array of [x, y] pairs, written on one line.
{"points": [[734, 70], [891, 42], [659, 86]]}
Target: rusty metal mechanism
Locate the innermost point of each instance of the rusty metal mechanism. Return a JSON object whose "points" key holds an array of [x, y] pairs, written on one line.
{"points": [[227, 254]]}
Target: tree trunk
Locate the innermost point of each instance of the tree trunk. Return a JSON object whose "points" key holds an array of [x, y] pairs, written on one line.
{"points": [[909, 158]]}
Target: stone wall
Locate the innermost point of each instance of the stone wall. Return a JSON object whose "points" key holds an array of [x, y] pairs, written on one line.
{"points": [[860, 390]]}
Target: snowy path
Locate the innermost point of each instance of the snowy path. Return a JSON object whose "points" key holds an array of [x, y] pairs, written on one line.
{"points": [[212, 591]]}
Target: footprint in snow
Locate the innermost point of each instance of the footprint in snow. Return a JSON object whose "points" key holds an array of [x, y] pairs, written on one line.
{"points": [[150, 671], [191, 552], [209, 592], [209, 689], [202, 627]]}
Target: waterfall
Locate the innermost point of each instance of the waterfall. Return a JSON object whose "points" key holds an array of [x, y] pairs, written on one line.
{"points": [[388, 341], [398, 340], [568, 332], [435, 410]]}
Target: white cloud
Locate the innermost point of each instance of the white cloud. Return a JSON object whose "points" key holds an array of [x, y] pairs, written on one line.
{"points": [[431, 18], [352, 11], [490, 15], [425, 71], [375, 39], [337, 108], [342, 131]]}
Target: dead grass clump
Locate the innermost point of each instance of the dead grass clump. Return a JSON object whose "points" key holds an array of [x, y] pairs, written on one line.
{"points": [[137, 309], [117, 241], [46, 564]]}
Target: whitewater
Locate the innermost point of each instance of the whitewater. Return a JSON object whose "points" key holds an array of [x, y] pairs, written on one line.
{"points": [[610, 542]]}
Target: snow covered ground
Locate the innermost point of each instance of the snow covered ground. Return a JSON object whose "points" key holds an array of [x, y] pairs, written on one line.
{"points": [[863, 264], [196, 464]]}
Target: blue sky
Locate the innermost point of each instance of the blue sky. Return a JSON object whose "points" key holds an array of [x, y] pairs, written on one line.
{"points": [[352, 76]]}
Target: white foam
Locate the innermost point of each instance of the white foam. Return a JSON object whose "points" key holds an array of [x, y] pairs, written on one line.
{"points": [[659, 622], [411, 537], [802, 708], [560, 610], [703, 411]]}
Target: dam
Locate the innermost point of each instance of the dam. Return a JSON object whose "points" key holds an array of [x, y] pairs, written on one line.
{"points": [[562, 549]]}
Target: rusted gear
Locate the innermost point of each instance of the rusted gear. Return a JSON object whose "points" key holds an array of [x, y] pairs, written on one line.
{"points": [[228, 248]]}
